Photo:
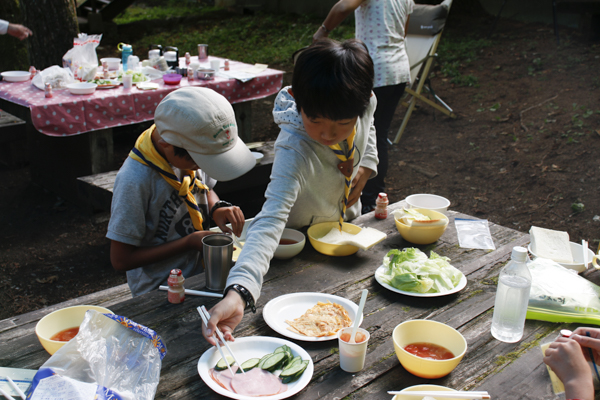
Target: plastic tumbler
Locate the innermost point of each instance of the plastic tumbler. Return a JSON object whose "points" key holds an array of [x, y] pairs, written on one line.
{"points": [[216, 65], [127, 81], [352, 355], [218, 252]]}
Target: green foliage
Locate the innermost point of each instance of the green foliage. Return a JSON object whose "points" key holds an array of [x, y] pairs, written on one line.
{"points": [[259, 38], [455, 54]]}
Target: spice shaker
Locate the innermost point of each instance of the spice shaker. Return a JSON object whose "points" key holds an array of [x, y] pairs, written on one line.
{"points": [[176, 293], [381, 209]]}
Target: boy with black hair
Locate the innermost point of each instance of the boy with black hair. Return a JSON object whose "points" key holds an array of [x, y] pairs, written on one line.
{"points": [[326, 145], [162, 202]]}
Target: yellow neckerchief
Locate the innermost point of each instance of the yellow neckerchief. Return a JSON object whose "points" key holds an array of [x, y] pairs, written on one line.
{"points": [[145, 153], [346, 167]]}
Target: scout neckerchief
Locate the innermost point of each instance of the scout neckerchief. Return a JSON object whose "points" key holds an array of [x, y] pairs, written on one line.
{"points": [[346, 167], [145, 153]]}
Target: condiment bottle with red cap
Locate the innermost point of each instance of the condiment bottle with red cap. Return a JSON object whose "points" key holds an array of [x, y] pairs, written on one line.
{"points": [[381, 209], [176, 293]]}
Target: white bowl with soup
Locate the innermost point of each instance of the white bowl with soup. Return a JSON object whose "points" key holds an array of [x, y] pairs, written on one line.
{"points": [[291, 243]]}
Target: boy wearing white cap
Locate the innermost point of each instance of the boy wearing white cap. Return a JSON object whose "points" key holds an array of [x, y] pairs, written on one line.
{"points": [[163, 198]]}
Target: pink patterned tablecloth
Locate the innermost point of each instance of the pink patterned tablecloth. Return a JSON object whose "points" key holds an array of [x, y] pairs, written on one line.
{"points": [[66, 114]]}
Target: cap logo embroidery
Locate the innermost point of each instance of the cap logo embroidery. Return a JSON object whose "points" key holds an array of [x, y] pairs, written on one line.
{"points": [[223, 129]]}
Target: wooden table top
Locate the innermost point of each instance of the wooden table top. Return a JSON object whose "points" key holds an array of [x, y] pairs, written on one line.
{"points": [[507, 371]]}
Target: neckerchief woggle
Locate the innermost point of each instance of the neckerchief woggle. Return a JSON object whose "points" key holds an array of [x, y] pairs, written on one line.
{"points": [[145, 153], [346, 167]]}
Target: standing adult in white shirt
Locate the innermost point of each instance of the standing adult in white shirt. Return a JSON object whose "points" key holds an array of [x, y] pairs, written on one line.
{"points": [[381, 25], [19, 31]]}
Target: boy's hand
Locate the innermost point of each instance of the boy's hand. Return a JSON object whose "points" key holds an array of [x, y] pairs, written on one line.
{"points": [[194, 240], [19, 31], [592, 342], [226, 314], [566, 359], [358, 184], [232, 215]]}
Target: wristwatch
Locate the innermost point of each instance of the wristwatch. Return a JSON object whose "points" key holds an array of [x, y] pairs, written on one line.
{"points": [[244, 293], [217, 205]]}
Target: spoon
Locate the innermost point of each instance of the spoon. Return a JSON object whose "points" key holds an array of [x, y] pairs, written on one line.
{"points": [[361, 306]]}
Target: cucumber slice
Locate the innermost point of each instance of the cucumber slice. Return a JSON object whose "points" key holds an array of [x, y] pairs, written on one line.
{"points": [[292, 362], [264, 358], [248, 365], [222, 364], [274, 362], [293, 373]]}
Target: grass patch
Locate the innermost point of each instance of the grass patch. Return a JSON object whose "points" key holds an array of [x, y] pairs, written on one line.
{"points": [[455, 54], [260, 38]]}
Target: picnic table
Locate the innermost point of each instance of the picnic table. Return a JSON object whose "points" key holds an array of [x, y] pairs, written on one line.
{"points": [[70, 136], [507, 371]]}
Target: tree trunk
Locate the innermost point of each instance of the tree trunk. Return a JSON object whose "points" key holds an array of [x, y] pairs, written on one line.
{"points": [[54, 25]]}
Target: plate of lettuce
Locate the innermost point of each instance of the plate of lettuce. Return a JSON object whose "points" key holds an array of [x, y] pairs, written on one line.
{"points": [[412, 273]]}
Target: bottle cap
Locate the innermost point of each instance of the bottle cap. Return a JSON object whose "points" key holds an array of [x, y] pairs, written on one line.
{"points": [[519, 254], [382, 195], [176, 271]]}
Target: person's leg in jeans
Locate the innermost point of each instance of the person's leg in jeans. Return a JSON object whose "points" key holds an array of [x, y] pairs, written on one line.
{"points": [[388, 98]]}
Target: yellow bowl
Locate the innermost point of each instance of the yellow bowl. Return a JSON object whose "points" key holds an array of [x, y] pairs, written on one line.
{"points": [[59, 320], [430, 388], [421, 330], [423, 234], [317, 231]]}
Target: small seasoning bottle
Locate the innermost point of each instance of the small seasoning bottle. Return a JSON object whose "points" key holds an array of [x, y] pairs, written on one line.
{"points": [[381, 209], [190, 74], [32, 71], [188, 58], [226, 65], [176, 293], [48, 90], [106, 75]]}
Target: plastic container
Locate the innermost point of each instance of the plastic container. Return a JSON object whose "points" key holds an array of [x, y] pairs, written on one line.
{"points": [[176, 292], [172, 79], [381, 209], [512, 298]]}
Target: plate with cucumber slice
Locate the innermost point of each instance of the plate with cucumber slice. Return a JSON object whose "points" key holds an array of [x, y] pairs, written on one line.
{"points": [[290, 362]]}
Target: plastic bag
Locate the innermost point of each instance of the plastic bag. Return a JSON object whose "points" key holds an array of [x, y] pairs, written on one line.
{"points": [[559, 294], [83, 52], [57, 76], [111, 358], [474, 234]]}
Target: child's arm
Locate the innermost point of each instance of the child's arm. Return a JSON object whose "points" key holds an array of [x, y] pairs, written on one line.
{"points": [[226, 215], [226, 314], [565, 357], [125, 257]]}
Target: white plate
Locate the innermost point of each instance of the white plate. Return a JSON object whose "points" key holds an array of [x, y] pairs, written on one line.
{"points": [[16, 76], [461, 285], [146, 85], [577, 253], [250, 347], [82, 88], [294, 305], [113, 84]]}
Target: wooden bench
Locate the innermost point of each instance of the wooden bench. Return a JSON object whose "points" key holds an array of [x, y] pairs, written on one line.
{"points": [[246, 191], [13, 140]]}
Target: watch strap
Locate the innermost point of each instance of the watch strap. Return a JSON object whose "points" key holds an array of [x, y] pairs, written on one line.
{"points": [[217, 205], [244, 293]]}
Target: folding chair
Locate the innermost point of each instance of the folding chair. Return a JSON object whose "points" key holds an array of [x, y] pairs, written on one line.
{"points": [[423, 35]]}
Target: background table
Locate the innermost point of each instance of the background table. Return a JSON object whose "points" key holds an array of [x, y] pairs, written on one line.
{"points": [[507, 371], [71, 135]]}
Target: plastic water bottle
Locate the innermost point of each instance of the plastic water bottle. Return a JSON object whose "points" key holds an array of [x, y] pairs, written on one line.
{"points": [[512, 297], [126, 51]]}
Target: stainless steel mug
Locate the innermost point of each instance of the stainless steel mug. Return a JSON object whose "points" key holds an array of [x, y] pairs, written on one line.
{"points": [[218, 252], [202, 51]]}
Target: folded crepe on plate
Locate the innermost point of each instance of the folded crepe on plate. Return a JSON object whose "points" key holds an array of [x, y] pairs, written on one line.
{"points": [[548, 243]]}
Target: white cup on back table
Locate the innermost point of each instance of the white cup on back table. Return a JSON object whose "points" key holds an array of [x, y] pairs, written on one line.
{"points": [[215, 64], [127, 81]]}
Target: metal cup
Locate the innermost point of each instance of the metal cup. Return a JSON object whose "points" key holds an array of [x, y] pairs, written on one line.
{"points": [[202, 51], [218, 252]]}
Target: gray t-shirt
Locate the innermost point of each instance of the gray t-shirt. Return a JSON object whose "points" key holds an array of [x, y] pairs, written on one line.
{"points": [[147, 211]]}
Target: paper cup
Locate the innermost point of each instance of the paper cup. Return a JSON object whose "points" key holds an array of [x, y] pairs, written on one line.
{"points": [[352, 355], [127, 81], [215, 64]]}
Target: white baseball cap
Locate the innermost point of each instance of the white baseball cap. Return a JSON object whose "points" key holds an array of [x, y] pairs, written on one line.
{"points": [[202, 122]]}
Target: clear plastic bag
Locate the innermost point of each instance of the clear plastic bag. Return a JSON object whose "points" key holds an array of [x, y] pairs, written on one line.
{"points": [[111, 358], [559, 294], [83, 52], [474, 234], [56, 76]]}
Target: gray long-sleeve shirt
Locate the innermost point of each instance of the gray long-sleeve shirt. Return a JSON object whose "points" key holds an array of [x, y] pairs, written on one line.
{"points": [[306, 188]]}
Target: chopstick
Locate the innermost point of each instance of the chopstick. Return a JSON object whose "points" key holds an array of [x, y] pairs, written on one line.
{"points": [[195, 292], [446, 395], [584, 244], [8, 396], [205, 317], [16, 388]]}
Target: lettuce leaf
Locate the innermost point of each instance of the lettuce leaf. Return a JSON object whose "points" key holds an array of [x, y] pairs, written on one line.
{"points": [[410, 270]]}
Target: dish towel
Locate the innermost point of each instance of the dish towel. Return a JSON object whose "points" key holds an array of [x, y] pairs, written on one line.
{"points": [[145, 153], [346, 167]]}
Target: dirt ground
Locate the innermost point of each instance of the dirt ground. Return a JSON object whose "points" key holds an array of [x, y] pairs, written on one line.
{"points": [[524, 150]]}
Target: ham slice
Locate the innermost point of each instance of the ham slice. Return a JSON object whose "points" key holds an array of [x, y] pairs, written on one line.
{"points": [[257, 382], [223, 378]]}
